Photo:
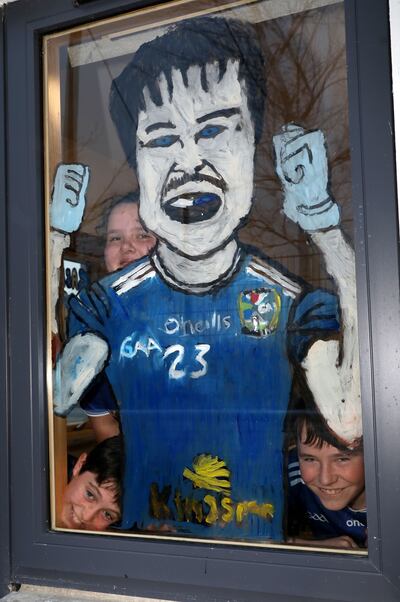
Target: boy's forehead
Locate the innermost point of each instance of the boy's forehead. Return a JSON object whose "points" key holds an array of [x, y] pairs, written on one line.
{"points": [[191, 100], [326, 447]]}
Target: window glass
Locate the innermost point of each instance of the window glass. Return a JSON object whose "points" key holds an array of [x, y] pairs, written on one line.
{"points": [[202, 328]]}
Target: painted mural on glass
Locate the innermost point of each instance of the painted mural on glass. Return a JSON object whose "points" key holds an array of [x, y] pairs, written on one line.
{"points": [[196, 354]]}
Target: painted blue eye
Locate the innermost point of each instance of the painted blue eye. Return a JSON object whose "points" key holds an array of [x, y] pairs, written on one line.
{"points": [[210, 131], [162, 141]]}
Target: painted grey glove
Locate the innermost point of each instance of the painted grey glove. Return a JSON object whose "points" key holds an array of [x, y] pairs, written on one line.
{"points": [[68, 197], [302, 167]]}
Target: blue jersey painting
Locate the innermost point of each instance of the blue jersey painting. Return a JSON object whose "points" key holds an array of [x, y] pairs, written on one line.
{"points": [[203, 383]]}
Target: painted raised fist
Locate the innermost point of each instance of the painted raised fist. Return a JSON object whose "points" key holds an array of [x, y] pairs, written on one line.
{"points": [[68, 197], [302, 167]]}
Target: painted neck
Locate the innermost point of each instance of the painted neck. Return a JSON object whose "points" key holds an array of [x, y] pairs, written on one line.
{"points": [[196, 275]]}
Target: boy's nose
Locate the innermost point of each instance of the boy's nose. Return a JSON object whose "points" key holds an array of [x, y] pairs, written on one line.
{"points": [[129, 244], [327, 474], [87, 515]]}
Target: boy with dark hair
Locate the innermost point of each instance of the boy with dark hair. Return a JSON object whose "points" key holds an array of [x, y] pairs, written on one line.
{"points": [[326, 488], [92, 498]]}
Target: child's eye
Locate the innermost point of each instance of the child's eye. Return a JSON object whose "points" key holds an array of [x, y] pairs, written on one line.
{"points": [[306, 459], [89, 495], [144, 236], [343, 459], [110, 518], [210, 131], [162, 141], [114, 238]]}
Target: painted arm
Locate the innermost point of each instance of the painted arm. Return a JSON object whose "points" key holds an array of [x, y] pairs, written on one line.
{"points": [[331, 367], [83, 356], [67, 205]]}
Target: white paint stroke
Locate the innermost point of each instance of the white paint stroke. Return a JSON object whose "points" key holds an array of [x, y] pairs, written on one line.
{"points": [[336, 386], [58, 242], [83, 357]]}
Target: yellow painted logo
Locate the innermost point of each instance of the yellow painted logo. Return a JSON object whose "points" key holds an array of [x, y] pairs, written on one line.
{"points": [[211, 474]]}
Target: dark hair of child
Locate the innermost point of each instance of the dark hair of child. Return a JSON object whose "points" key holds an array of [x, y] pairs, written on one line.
{"points": [[105, 460], [304, 416], [130, 198]]}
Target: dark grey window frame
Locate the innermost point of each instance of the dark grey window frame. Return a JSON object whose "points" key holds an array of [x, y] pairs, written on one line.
{"points": [[30, 553]]}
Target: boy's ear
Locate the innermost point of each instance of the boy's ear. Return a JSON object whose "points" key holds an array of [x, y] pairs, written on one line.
{"points": [[79, 463]]}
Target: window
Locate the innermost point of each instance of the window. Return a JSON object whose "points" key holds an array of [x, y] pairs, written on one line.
{"points": [[199, 349], [159, 563]]}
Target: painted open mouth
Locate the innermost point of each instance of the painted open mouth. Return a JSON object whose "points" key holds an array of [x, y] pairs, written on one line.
{"points": [[190, 208]]}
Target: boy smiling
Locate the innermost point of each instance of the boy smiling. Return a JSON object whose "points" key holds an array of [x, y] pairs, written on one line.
{"points": [[326, 490], [92, 498]]}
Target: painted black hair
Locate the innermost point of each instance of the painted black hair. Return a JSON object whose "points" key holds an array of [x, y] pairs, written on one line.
{"points": [[201, 41], [106, 462], [130, 198]]}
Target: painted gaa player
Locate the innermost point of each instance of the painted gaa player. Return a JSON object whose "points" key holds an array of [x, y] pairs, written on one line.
{"points": [[199, 340]]}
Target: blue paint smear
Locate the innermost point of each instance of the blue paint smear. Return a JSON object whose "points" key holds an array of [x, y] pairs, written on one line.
{"points": [[205, 198]]}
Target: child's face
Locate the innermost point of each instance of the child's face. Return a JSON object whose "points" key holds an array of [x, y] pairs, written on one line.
{"points": [[336, 477], [127, 240], [86, 504]]}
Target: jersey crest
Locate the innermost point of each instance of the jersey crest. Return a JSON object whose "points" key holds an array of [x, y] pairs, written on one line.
{"points": [[259, 311]]}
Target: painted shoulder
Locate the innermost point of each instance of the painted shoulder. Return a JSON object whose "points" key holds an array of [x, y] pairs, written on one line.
{"points": [[132, 277], [260, 268]]}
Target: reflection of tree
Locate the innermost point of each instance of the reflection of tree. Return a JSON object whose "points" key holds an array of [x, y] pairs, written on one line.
{"points": [[306, 84]]}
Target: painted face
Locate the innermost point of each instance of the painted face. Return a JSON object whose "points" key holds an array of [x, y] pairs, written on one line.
{"points": [[87, 505], [195, 157], [126, 239], [336, 477]]}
